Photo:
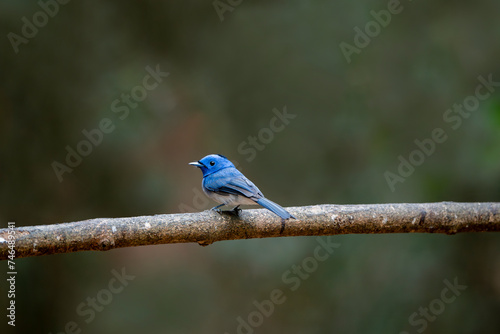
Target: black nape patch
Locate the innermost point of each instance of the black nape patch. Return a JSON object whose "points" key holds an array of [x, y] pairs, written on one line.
{"points": [[220, 155]]}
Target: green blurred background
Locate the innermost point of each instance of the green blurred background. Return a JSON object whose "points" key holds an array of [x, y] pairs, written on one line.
{"points": [[352, 122]]}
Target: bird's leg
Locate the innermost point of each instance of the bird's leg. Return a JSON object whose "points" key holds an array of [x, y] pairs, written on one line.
{"points": [[216, 208], [237, 210]]}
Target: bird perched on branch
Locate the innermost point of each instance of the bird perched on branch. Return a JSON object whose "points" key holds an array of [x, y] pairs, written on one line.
{"points": [[223, 183]]}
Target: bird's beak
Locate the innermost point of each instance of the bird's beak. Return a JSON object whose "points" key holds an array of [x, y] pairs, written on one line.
{"points": [[196, 164]]}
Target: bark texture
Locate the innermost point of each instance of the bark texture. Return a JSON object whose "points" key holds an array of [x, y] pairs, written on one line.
{"points": [[206, 227]]}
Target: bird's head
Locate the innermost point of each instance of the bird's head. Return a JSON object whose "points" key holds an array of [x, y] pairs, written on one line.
{"points": [[212, 163]]}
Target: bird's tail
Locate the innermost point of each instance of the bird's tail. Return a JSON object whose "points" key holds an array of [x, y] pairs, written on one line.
{"points": [[277, 209]]}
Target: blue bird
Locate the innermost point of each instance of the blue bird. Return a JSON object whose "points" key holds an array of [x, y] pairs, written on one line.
{"points": [[223, 183]]}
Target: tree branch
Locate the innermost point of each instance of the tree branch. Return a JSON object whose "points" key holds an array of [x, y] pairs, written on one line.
{"points": [[206, 227]]}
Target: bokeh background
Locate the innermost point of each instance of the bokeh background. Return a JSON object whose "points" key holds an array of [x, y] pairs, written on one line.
{"points": [[227, 73]]}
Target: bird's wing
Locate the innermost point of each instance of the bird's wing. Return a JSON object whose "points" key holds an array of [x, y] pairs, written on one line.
{"points": [[232, 181], [243, 186]]}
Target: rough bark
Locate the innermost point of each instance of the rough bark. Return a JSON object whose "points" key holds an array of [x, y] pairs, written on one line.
{"points": [[206, 227]]}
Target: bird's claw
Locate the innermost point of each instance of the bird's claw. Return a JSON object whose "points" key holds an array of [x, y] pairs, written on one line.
{"points": [[216, 209], [237, 210]]}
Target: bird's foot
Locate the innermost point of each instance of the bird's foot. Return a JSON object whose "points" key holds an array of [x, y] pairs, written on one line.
{"points": [[237, 210], [216, 208]]}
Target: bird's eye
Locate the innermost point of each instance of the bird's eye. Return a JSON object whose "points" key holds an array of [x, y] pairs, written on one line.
{"points": [[212, 163]]}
